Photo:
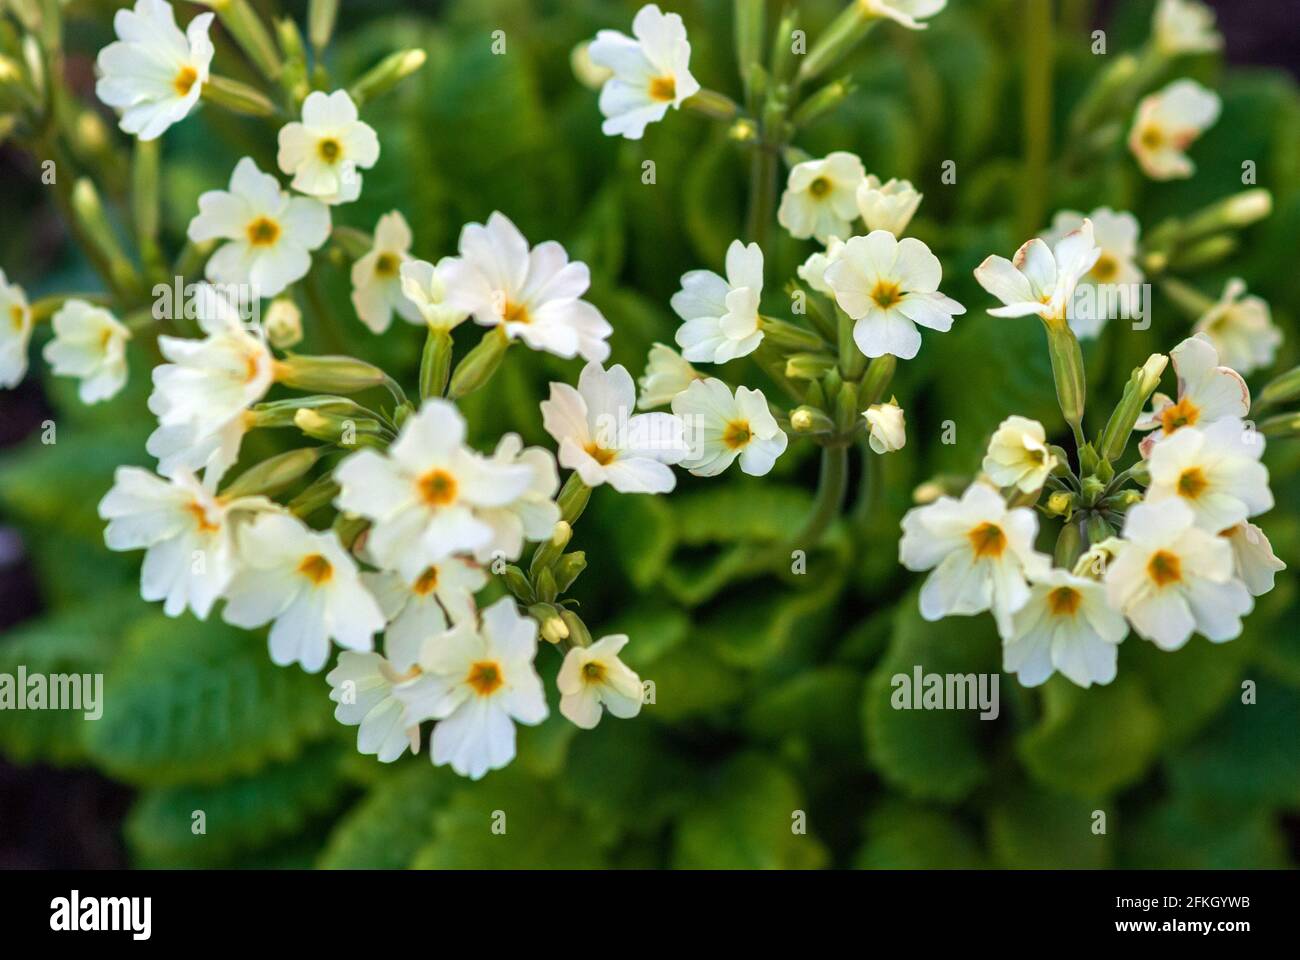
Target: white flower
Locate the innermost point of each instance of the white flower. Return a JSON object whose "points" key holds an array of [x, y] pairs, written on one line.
{"points": [[1096, 560], [888, 206], [185, 530], [1112, 287], [1253, 560], [378, 283], [15, 332], [306, 583], [271, 234], [324, 151], [1207, 392], [980, 551], [813, 270], [423, 493], [90, 344], [888, 286], [363, 685], [720, 427], [667, 374], [533, 294], [1040, 280], [1066, 625], [1167, 123], [888, 431], [422, 608], [650, 73], [1215, 471], [593, 679], [721, 315], [154, 73], [530, 516], [600, 437], [477, 683], [422, 285], [820, 198], [1184, 26], [1018, 455], [909, 13], [283, 323], [587, 73], [1241, 329], [1173, 578]]}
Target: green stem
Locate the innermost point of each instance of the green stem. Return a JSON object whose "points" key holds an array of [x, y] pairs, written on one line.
{"points": [[830, 496], [1037, 104], [762, 194]]}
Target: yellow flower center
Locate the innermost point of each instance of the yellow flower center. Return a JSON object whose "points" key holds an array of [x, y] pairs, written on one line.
{"points": [[200, 515], [485, 677], [1164, 568], [515, 313], [17, 316], [600, 454], [437, 488], [987, 540], [263, 232], [593, 672], [329, 149], [1105, 269], [185, 80], [1184, 413], [386, 265], [427, 583], [1192, 483], [663, 89], [886, 294], [737, 434], [1064, 601], [316, 569], [1152, 137]]}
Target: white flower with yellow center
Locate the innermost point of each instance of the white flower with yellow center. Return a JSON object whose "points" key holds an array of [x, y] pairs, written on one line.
{"points": [[1173, 578], [153, 74], [15, 332], [533, 514], [648, 74], [421, 608], [422, 284], [1207, 392], [186, 531], [1018, 455], [1254, 562], [271, 235], [889, 287], [667, 373], [887, 206], [600, 437], [813, 270], [1096, 560], [533, 294], [478, 682], [1184, 26], [1167, 123], [423, 494], [721, 427], [908, 13], [721, 314], [593, 679], [885, 421], [378, 287], [324, 152], [1214, 470], [820, 198], [364, 687], [1067, 625], [1241, 329], [1040, 280], [981, 554], [1112, 287], [306, 586], [89, 344]]}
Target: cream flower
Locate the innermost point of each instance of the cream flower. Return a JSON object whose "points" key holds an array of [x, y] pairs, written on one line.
{"points": [[888, 206], [378, 284], [649, 74], [1241, 329], [325, 150], [1167, 123], [1206, 392], [422, 608], [1215, 471], [719, 428], [587, 73], [1096, 560], [90, 344], [306, 586], [530, 516], [1173, 578], [422, 285], [478, 683], [813, 270], [154, 73], [1040, 280], [1112, 287], [423, 494], [1184, 26], [600, 437], [271, 235], [721, 315], [1253, 560], [532, 294], [283, 323], [15, 332], [667, 374], [1068, 626], [889, 286], [887, 429], [820, 198], [980, 552], [909, 13], [593, 679], [364, 687], [1018, 455], [186, 531]]}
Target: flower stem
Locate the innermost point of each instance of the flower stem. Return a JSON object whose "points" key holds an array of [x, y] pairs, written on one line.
{"points": [[1037, 104], [830, 496], [762, 193]]}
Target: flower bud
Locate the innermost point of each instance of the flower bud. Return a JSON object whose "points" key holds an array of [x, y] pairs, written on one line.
{"points": [[1099, 529], [568, 568], [1141, 384], [435, 363], [822, 102], [237, 97], [283, 323], [90, 217], [1069, 543], [553, 627], [387, 74], [321, 15], [477, 367], [579, 635], [573, 498], [808, 366], [544, 585], [275, 474], [1283, 426], [1067, 371], [843, 34], [877, 379], [1281, 389], [329, 374], [242, 22], [810, 421], [1060, 504], [518, 584], [549, 551], [1091, 488], [332, 428], [789, 338]]}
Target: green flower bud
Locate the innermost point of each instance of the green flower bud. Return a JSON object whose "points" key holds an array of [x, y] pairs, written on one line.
{"points": [[1060, 504], [344, 431], [822, 102], [544, 585], [387, 74], [1283, 426], [238, 97], [477, 367], [435, 364], [568, 568], [1092, 489], [276, 474], [810, 421], [1281, 389], [1067, 370], [518, 584], [549, 551], [789, 338], [549, 618], [1099, 529], [329, 374], [845, 32], [579, 635], [243, 23], [321, 15], [808, 366], [880, 373], [573, 498], [1069, 544]]}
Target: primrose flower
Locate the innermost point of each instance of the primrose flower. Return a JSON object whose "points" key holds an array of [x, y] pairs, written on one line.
{"points": [[363, 685], [820, 198], [1241, 329], [1184, 26], [887, 206], [721, 427], [1167, 123], [154, 73], [1067, 625], [908, 13], [15, 332], [378, 284], [422, 608], [1253, 560], [325, 150], [813, 270], [1207, 392], [593, 679], [1018, 455], [721, 315], [422, 285], [90, 344], [1215, 471], [1112, 287], [1040, 280], [667, 374], [889, 286], [533, 514], [887, 429], [649, 73], [271, 235]]}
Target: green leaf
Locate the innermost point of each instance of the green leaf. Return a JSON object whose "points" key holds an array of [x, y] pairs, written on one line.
{"points": [[1187, 686], [393, 822], [640, 532], [902, 836], [1184, 836], [688, 682], [1031, 829], [815, 713]]}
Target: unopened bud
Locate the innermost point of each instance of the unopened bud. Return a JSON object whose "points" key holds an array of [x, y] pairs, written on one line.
{"points": [[568, 568], [1060, 503], [789, 338], [518, 584], [275, 474], [387, 74], [328, 374], [811, 421], [283, 323], [477, 367]]}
